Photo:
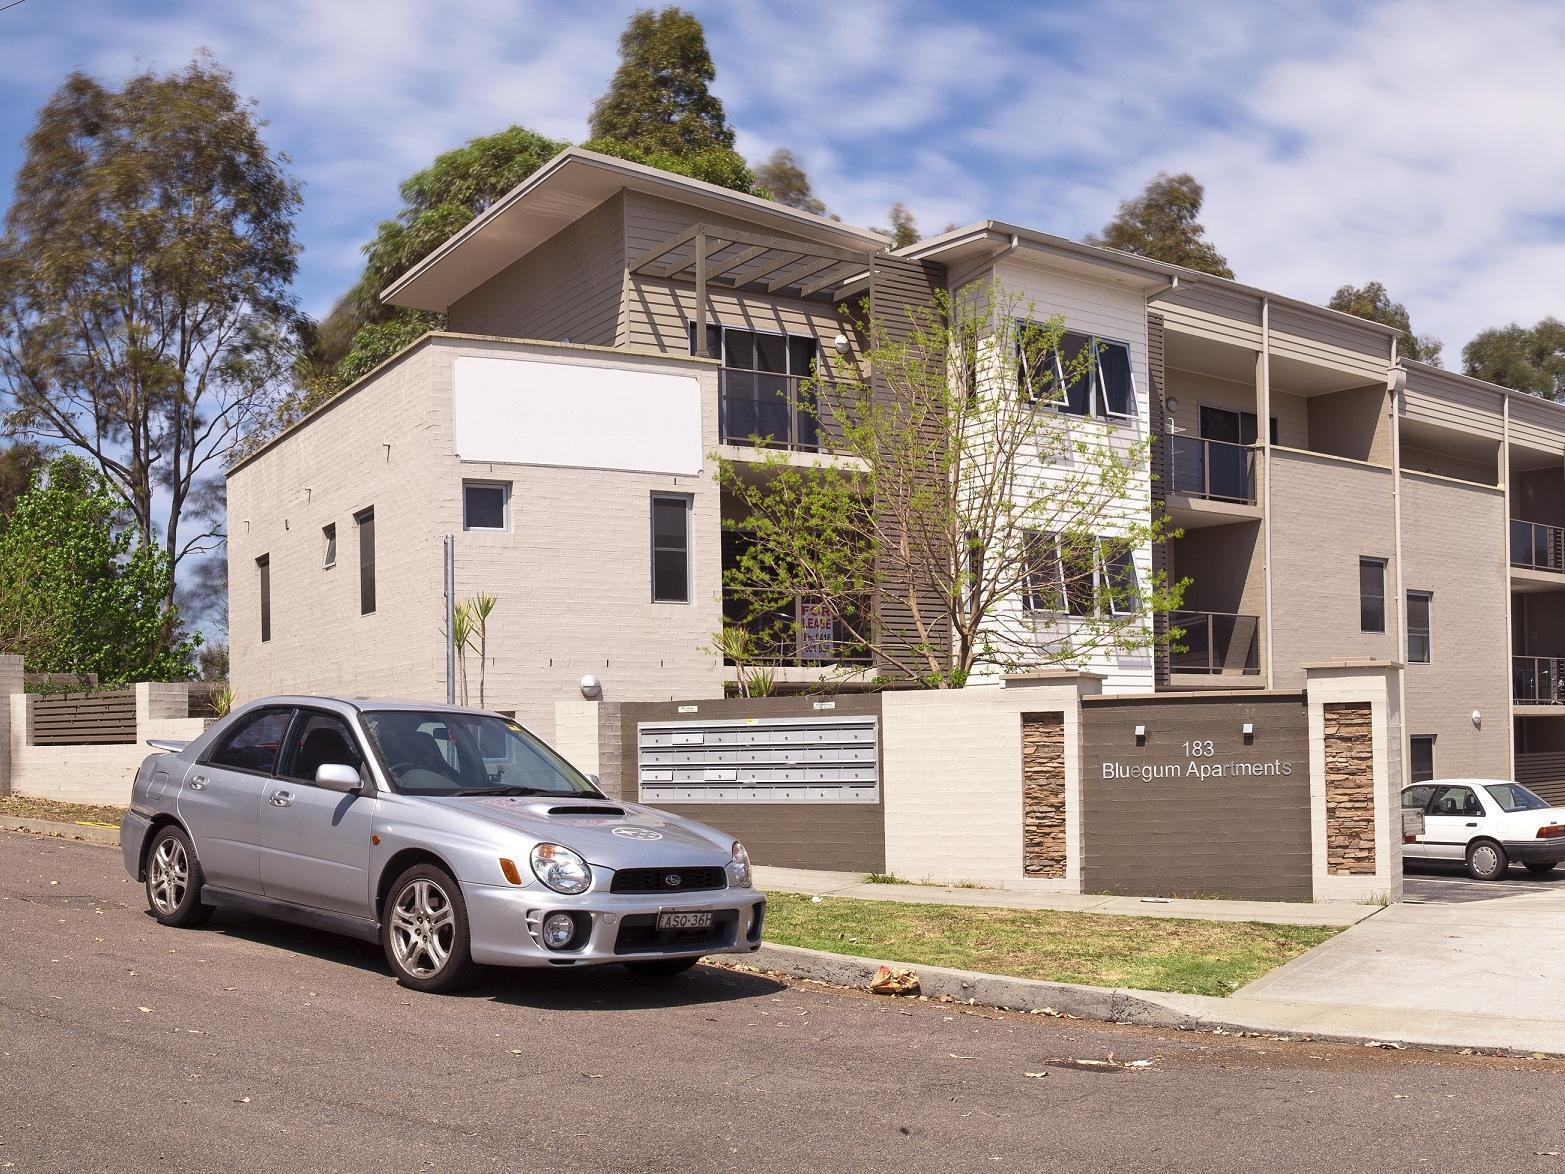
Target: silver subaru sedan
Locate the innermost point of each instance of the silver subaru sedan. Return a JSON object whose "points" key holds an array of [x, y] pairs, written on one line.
{"points": [[454, 837]]}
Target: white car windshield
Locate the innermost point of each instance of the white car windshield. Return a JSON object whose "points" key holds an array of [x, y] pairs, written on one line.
{"points": [[1514, 797], [430, 752]]}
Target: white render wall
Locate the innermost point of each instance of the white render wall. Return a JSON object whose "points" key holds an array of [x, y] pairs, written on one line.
{"points": [[1114, 311], [572, 573]]}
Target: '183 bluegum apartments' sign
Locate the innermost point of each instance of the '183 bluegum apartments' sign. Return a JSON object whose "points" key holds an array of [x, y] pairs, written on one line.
{"points": [[1200, 762]]}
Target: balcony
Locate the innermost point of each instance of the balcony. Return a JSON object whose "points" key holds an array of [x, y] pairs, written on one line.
{"points": [[799, 636], [1538, 680], [1214, 644], [1537, 547], [1213, 470], [765, 410], [1209, 482]]}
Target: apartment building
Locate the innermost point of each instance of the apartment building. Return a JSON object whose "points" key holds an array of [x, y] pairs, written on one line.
{"points": [[612, 329]]}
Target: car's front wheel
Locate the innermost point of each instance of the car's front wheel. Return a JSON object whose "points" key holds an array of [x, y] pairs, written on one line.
{"points": [[174, 880], [1543, 867], [660, 967], [424, 931], [1486, 860]]}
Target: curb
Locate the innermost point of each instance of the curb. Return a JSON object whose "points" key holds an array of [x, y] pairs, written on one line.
{"points": [[1100, 1004], [84, 832]]}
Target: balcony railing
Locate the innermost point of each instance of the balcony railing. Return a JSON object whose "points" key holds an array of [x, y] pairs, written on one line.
{"points": [[1538, 680], [774, 411], [1536, 546], [1215, 643], [799, 636], [1212, 469]]}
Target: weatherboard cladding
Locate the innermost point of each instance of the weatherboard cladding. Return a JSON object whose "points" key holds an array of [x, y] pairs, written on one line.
{"points": [[568, 288]]}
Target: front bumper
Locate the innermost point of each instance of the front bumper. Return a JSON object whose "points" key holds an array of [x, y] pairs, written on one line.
{"points": [[506, 925], [1536, 851]]}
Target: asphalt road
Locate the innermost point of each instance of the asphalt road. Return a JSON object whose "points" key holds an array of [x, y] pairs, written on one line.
{"points": [[254, 1046], [1429, 883]]}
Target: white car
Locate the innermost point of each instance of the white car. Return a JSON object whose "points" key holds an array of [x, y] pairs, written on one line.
{"points": [[1486, 823]]}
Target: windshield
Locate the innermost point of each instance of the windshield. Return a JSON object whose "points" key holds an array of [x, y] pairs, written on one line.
{"points": [[1514, 797], [429, 752]]}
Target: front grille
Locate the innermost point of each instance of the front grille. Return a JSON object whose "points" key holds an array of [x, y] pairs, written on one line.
{"points": [[638, 934], [656, 880]]}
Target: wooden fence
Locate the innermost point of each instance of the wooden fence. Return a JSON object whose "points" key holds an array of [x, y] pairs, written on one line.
{"points": [[83, 719], [1544, 773]]}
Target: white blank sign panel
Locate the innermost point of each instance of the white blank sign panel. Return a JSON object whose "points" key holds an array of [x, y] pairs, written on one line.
{"points": [[522, 412]]}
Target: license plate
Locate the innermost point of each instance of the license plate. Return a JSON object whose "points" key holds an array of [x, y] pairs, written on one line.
{"points": [[697, 920]]}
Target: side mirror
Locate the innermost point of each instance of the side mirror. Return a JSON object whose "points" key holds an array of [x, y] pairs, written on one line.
{"points": [[595, 780], [334, 776]]}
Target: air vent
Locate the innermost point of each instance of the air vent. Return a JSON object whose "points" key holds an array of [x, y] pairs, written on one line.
{"points": [[586, 811]]}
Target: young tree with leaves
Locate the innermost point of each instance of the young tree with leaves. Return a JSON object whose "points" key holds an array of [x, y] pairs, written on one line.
{"points": [[1162, 223], [82, 593], [146, 320], [785, 181], [904, 229], [1373, 302], [998, 531], [1530, 359]]}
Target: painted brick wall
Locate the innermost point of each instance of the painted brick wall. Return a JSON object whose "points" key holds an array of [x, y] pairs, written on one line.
{"points": [[572, 574]]}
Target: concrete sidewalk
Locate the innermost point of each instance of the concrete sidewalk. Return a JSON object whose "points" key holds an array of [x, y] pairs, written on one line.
{"points": [[852, 884]]}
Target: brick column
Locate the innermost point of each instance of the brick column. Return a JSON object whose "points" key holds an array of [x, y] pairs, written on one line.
{"points": [[10, 683], [1043, 795], [1356, 773]]}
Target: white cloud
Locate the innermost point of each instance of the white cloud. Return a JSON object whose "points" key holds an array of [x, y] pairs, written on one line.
{"points": [[1409, 141]]}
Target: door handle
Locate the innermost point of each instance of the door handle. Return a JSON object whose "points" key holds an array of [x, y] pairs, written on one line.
{"points": [[1472, 823], [282, 799], [198, 783]]}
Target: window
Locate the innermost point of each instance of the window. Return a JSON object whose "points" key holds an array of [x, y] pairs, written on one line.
{"points": [[1456, 801], [252, 745], [1079, 569], [1372, 595], [1422, 768], [1041, 587], [263, 566], [761, 384], [486, 505], [1419, 606], [1417, 798], [1104, 388], [1119, 578], [365, 520], [329, 537], [1515, 797], [670, 548], [320, 739]]}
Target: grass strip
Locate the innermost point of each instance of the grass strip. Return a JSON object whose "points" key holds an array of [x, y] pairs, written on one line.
{"points": [[26, 807], [1094, 949]]}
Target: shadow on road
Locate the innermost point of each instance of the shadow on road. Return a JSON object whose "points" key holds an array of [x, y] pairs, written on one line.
{"points": [[589, 988]]}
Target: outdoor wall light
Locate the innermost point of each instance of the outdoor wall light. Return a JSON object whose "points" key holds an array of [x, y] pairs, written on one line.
{"points": [[1141, 735], [591, 688], [1248, 730], [1171, 404], [840, 344], [1477, 720]]}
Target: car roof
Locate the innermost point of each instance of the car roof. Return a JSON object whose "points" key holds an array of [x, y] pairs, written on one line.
{"points": [[367, 703], [1463, 783]]}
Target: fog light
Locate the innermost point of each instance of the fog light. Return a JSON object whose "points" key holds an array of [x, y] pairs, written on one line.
{"points": [[558, 930]]}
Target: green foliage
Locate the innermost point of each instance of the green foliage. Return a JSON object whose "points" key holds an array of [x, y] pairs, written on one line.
{"points": [[784, 180], [904, 229], [1373, 302], [1530, 359], [1161, 223], [939, 516], [79, 593], [722, 166], [658, 100], [146, 319], [20, 465], [378, 341]]}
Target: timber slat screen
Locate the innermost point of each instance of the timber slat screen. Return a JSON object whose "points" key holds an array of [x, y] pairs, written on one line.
{"points": [[83, 719]]}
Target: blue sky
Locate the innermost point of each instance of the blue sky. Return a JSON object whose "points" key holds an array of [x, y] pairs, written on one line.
{"points": [[1412, 141]]}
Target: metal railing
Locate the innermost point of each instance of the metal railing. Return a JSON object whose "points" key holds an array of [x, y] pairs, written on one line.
{"points": [[1213, 469], [1214, 642], [1537, 546], [787, 637], [771, 411], [1538, 680]]}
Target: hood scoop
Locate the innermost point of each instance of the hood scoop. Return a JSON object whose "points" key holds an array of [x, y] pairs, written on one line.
{"points": [[618, 811]]}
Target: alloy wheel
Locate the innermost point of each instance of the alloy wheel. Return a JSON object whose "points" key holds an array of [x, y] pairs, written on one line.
{"points": [[423, 928], [168, 878]]}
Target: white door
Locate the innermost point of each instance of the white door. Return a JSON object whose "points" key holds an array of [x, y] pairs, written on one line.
{"points": [[1417, 799], [1455, 816]]}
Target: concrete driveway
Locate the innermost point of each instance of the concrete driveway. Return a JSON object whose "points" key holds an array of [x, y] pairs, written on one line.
{"points": [[1455, 946]]}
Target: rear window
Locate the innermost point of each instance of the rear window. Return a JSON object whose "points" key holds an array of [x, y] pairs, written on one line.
{"points": [[1514, 797]]}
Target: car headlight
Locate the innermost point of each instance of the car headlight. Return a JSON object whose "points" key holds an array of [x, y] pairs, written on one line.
{"points": [[739, 866], [561, 869]]}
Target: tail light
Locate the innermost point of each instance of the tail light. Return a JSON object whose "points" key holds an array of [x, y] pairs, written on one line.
{"points": [[1552, 832]]}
